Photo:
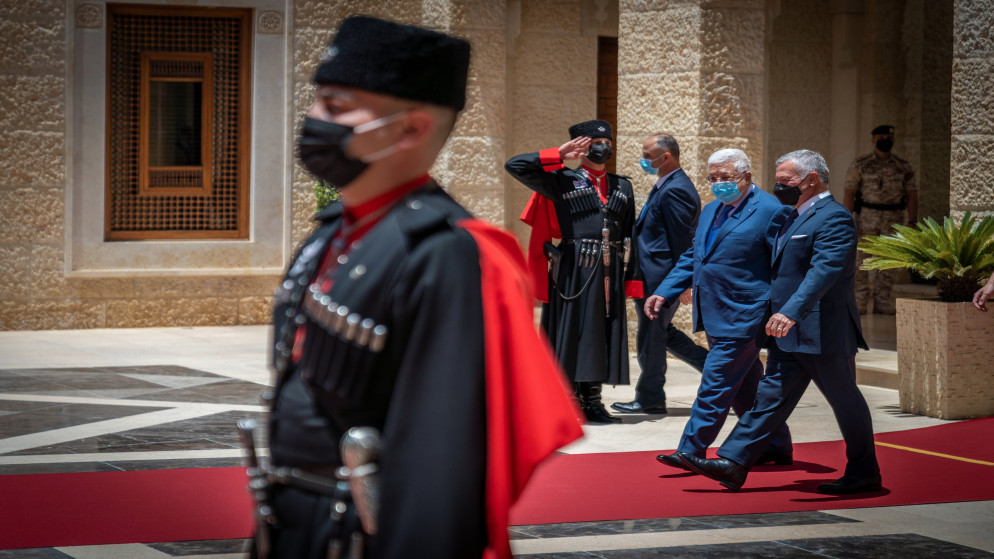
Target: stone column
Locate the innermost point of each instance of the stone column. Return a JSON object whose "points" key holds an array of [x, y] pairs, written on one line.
{"points": [[33, 168], [552, 84], [972, 144], [471, 165], [693, 69]]}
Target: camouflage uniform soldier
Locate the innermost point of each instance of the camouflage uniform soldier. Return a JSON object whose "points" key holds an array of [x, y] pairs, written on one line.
{"points": [[880, 187]]}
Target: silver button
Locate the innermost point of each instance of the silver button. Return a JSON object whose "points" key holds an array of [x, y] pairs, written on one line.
{"points": [[343, 259], [414, 204], [357, 272]]}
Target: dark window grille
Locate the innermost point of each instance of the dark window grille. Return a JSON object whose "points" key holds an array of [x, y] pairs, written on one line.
{"points": [[189, 180]]}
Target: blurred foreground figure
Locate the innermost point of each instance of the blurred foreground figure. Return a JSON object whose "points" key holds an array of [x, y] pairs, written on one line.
{"points": [[406, 317]]}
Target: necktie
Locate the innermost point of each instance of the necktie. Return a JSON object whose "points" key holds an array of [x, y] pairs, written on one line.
{"points": [[786, 225], [718, 221]]}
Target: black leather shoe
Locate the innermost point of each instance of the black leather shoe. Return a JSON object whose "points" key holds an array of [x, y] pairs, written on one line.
{"points": [[845, 485], [599, 415], [722, 470], [672, 460], [777, 458], [636, 407]]}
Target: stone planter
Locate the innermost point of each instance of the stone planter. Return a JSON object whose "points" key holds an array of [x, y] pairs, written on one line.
{"points": [[945, 358]]}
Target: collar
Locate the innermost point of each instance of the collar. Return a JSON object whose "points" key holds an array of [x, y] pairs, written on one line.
{"points": [[362, 217], [666, 177], [598, 175], [807, 205]]}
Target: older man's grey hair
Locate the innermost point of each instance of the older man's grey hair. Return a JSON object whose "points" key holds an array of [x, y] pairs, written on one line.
{"points": [[806, 161], [737, 157]]}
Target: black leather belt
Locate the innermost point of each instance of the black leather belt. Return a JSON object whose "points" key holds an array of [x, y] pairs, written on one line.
{"points": [[885, 207]]}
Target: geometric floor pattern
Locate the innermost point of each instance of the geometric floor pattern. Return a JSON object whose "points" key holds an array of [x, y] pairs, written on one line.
{"points": [[138, 415]]}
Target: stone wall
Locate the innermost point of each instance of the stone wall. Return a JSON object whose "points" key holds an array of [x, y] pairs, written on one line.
{"points": [[972, 157], [552, 84], [692, 69], [799, 84]]}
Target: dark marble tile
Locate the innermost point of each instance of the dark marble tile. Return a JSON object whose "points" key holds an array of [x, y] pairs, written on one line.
{"points": [[202, 547], [744, 550], [177, 464], [172, 370], [574, 529], [215, 431], [60, 468], [770, 519], [34, 553], [56, 416], [891, 546], [226, 392], [566, 555]]}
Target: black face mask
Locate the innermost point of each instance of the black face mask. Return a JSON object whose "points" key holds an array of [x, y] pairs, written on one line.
{"points": [[599, 153], [322, 151], [884, 145], [788, 195]]}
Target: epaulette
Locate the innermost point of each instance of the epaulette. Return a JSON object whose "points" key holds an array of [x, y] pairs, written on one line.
{"points": [[418, 218]]}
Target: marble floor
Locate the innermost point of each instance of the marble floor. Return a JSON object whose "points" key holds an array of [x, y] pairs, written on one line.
{"points": [[105, 400]]}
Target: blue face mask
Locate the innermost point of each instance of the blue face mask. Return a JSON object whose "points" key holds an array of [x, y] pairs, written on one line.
{"points": [[726, 192], [646, 164]]}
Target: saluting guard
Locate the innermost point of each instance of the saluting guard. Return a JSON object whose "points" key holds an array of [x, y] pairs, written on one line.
{"points": [[593, 269]]}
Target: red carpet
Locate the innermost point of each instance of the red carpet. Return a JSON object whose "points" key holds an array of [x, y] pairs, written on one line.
{"points": [[631, 485], [46, 510]]}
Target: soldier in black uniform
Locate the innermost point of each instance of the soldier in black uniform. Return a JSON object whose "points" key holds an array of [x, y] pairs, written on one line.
{"points": [[388, 318], [593, 212]]}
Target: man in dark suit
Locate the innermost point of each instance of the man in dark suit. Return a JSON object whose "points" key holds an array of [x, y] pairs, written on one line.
{"points": [[729, 269], [813, 333], [663, 230]]}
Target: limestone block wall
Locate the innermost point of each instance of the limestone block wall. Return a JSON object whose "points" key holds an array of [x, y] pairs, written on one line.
{"points": [[972, 151], [799, 101], [552, 84], [470, 165], [931, 69], [693, 69]]}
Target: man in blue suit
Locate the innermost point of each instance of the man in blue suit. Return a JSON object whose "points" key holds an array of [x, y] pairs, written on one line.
{"points": [[663, 230], [729, 269], [814, 332]]}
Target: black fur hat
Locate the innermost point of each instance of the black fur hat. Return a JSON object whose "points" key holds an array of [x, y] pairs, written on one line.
{"points": [[883, 129], [591, 129], [398, 60]]}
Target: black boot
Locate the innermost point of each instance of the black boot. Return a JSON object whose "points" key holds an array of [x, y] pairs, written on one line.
{"points": [[590, 403]]}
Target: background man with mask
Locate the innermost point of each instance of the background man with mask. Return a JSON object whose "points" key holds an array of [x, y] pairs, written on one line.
{"points": [[812, 333], [593, 212], [403, 313], [880, 186], [729, 268], [664, 231]]}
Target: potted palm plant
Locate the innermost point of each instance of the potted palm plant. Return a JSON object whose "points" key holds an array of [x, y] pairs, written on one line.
{"points": [[943, 346]]}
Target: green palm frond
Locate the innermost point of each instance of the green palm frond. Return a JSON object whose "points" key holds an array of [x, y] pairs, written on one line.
{"points": [[949, 252]]}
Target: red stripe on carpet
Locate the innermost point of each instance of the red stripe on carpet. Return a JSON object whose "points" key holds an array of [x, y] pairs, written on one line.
{"points": [[47, 510]]}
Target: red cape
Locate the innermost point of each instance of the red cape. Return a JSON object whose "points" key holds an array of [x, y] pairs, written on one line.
{"points": [[540, 214], [530, 412]]}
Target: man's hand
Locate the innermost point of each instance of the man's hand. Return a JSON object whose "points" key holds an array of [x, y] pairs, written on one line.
{"points": [[653, 305], [574, 149], [983, 294], [779, 325], [687, 297]]}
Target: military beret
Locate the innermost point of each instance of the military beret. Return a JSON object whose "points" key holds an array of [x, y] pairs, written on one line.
{"points": [[591, 129], [882, 129], [398, 60]]}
